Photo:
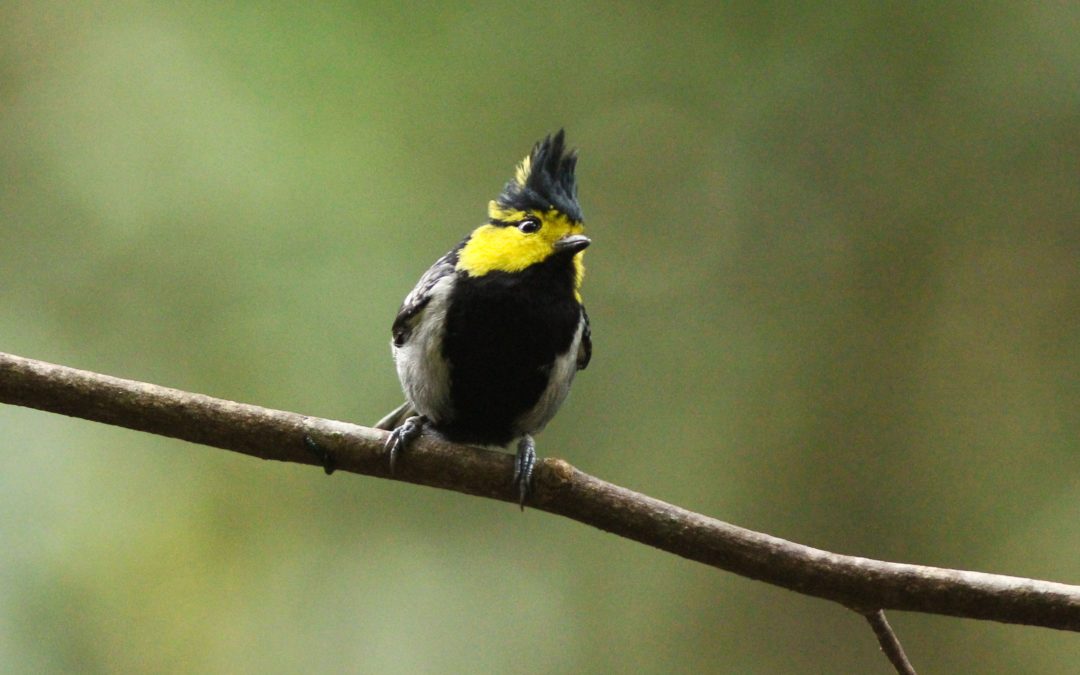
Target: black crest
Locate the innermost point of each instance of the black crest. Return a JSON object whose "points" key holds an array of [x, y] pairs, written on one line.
{"points": [[545, 180]]}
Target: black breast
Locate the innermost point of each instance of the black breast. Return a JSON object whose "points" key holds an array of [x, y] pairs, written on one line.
{"points": [[503, 332]]}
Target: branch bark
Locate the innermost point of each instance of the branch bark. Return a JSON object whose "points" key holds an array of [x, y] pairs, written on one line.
{"points": [[559, 488], [889, 643]]}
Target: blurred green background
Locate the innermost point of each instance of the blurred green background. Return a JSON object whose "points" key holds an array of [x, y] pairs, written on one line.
{"points": [[835, 291]]}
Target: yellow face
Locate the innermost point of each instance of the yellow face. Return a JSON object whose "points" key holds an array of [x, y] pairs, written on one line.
{"points": [[529, 238]]}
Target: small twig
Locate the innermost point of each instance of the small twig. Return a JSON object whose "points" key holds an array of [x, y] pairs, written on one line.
{"points": [[890, 644], [557, 488]]}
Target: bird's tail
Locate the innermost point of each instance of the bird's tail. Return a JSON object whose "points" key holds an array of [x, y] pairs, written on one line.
{"points": [[396, 417]]}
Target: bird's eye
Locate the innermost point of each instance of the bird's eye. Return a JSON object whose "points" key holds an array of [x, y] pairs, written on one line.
{"points": [[529, 225]]}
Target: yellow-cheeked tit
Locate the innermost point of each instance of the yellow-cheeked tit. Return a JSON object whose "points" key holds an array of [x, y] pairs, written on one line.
{"points": [[487, 343]]}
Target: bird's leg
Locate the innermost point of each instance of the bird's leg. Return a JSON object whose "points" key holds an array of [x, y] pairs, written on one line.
{"points": [[401, 437], [324, 456], [523, 467]]}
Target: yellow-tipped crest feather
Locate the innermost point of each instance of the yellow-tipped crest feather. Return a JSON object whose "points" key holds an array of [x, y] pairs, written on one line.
{"points": [[521, 174]]}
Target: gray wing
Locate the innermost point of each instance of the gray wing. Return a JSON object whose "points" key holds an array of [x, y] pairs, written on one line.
{"points": [[418, 298], [406, 318]]}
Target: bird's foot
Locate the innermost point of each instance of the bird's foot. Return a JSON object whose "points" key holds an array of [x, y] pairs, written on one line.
{"points": [[523, 467], [320, 451], [401, 437]]}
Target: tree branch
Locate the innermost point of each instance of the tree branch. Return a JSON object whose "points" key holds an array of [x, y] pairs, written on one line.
{"points": [[559, 488], [890, 644]]}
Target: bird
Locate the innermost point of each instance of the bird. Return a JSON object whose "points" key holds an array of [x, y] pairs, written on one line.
{"points": [[488, 342]]}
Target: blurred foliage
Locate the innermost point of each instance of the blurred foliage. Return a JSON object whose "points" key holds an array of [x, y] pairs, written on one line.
{"points": [[835, 290]]}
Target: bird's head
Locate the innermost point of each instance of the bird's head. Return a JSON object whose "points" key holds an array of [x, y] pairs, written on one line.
{"points": [[537, 217]]}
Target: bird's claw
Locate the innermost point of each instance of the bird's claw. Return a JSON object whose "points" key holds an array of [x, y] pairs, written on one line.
{"points": [[524, 463], [402, 436]]}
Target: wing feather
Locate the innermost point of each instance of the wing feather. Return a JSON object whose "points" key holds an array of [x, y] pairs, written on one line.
{"points": [[420, 295]]}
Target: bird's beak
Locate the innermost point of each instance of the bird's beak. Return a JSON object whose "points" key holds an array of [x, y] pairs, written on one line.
{"points": [[572, 243]]}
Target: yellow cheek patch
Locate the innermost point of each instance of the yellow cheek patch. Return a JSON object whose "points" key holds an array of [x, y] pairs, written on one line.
{"points": [[494, 248], [504, 249]]}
